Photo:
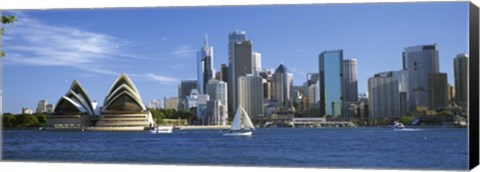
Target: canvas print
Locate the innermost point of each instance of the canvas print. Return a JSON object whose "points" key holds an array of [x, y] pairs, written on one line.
{"points": [[369, 86]]}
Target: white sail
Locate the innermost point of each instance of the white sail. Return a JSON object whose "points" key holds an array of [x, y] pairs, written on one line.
{"points": [[236, 123], [247, 123]]}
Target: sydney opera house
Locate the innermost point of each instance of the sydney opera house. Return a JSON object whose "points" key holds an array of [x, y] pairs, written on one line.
{"points": [[122, 109]]}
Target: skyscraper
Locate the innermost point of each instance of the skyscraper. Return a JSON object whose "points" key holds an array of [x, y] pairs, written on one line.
{"points": [[250, 95], [205, 66], [419, 62], [267, 76], [282, 81], [256, 62], [215, 115], [331, 83], [184, 89], [451, 94], [224, 73], [350, 81], [239, 64], [217, 91], [438, 91], [461, 79], [383, 96]]}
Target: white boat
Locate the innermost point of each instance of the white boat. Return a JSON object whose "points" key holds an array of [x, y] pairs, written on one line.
{"points": [[162, 129], [398, 125], [241, 124]]}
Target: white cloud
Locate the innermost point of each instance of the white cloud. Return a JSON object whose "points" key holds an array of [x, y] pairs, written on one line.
{"points": [[33, 42], [184, 51], [161, 78], [166, 80], [298, 71]]}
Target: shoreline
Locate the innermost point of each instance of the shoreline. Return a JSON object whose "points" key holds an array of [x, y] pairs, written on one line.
{"points": [[194, 127]]}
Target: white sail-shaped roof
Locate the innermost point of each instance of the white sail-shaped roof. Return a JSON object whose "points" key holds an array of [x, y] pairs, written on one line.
{"points": [[76, 98], [123, 91]]}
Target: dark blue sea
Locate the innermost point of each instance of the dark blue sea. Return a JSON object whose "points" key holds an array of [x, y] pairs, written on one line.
{"points": [[376, 147]]}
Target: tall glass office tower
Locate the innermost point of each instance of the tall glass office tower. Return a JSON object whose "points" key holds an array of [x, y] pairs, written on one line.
{"points": [[239, 64], [419, 62], [331, 79], [350, 82], [461, 79], [205, 66]]}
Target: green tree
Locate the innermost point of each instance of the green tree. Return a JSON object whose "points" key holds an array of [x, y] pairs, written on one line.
{"points": [[42, 118], [8, 19], [27, 120], [8, 120], [406, 119], [445, 112], [4, 20]]}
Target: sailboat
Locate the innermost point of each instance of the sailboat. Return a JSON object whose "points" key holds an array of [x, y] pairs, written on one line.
{"points": [[241, 125]]}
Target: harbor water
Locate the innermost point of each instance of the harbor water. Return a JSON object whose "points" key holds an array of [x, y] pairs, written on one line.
{"points": [[434, 148]]}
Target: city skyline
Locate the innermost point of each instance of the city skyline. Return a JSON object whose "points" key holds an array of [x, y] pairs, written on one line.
{"points": [[26, 68]]}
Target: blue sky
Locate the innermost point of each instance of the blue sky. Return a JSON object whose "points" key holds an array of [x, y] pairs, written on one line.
{"points": [[156, 47]]}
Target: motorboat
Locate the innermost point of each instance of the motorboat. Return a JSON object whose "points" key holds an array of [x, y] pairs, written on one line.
{"points": [[241, 125], [398, 125], [162, 129]]}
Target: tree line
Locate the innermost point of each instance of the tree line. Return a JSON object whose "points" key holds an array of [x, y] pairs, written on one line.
{"points": [[160, 114], [24, 120]]}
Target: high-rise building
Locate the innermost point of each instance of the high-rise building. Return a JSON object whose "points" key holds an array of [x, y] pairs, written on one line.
{"points": [[215, 113], [267, 76], [363, 107], [239, 64], [314, 94], [438, 91], [218, 75], [401, 77], [184, 89], [298, 97], [282, 81], [250, 95], [383, 96], [50, 108], [256, 62], [419, 62], [451, 94], [192, 99], [202, 108], [224, 73], [312, 78], [350, 82], [42, 106], [460, 70], [205, 68], [331, 83], [311, 91], [217, 91], [154, 104], [170, 103]]}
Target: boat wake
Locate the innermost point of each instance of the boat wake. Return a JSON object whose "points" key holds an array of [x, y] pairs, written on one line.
{"points": [[407, 129]]}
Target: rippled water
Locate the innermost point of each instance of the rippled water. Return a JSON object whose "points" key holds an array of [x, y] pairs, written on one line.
{"points": [[426, 148]]}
